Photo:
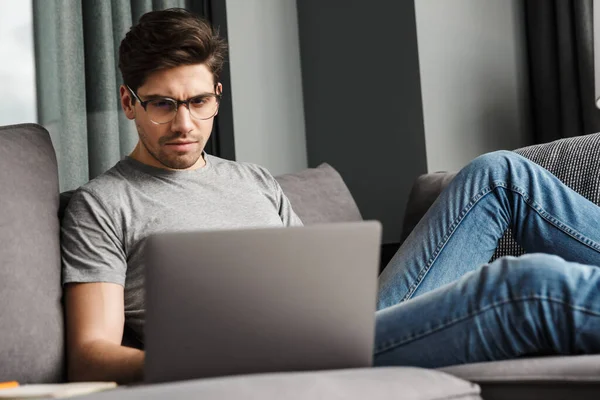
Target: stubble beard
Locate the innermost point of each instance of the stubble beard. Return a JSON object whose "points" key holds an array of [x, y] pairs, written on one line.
{"points": [[171, 159]]}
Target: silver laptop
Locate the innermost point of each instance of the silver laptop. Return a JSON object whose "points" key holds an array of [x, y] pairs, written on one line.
{"points": [[260, 300]]}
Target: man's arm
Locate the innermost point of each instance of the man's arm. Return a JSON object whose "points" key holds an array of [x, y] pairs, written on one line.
{"points": [[95, 321]]}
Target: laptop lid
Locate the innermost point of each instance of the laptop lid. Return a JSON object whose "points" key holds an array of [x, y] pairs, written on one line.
{"points": [[260, 300]]}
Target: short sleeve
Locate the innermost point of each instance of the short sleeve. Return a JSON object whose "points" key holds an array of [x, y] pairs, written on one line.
{"points": [[287, 214], [91, 243]]}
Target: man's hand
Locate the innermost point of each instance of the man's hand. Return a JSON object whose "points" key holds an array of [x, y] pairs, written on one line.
{"points": [[95, 320]]}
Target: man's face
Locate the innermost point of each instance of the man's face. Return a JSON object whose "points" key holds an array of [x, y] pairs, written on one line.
{"points": [[177, 144]]}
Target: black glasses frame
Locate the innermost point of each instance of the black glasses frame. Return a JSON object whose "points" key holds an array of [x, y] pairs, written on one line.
{"points": [[177, 103]]}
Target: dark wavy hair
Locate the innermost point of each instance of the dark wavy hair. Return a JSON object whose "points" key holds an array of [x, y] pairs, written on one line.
{"points": [[166, 39]]}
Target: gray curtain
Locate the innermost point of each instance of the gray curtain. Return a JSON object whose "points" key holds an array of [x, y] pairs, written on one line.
{"points": [[76, 47], [561, 68]]}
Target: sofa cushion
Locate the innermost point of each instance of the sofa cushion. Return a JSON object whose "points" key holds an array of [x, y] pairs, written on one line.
{"points": [[31, 320], [319, 195], [372, 383]]}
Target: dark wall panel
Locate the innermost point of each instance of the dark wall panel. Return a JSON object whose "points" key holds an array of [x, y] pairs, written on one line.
{"points": [[362, 100]]}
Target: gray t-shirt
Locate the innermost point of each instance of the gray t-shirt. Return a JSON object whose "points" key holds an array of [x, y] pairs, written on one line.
{"points": [[107, 219]]}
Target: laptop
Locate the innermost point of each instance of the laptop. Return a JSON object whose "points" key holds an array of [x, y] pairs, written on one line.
{"points": [[261, 300]]}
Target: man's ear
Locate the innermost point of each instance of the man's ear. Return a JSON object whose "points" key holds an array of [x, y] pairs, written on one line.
{"points": [[127, 102], [218, 90]]}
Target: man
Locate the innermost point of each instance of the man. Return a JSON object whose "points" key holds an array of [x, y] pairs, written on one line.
{"points": [[437, 306]]}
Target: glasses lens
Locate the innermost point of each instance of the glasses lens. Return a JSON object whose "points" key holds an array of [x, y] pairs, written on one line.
{"points": [[204, 107], [161, 110]]}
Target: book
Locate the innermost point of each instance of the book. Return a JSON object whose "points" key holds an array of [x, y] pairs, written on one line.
{"points": [[54, 391]]}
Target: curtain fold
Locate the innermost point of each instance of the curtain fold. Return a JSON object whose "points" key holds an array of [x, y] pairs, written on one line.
{"points": [[561, 68], [122, 19], [138, 8], [77, 77], [102, 105]]}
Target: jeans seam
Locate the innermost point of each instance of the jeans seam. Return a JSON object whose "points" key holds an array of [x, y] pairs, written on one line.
{"points": [[474, 200], [461, 216], [561, 226], [390, 345]]}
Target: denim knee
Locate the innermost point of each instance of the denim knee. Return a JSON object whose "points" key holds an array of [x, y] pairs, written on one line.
{"points": [[540, 275], [499, 164]]}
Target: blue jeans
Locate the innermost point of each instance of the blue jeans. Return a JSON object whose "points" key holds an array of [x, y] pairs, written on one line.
{"points": [[439, 306]]}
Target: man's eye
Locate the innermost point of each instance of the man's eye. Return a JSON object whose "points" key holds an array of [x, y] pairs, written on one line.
{"points": [[162, 104], [198, 101]]}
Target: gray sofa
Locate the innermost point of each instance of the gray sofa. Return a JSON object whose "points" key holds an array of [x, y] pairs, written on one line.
{"points": [[31, 318]]}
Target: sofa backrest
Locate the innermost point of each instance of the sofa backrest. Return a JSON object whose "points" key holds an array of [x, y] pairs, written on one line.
{"points": [[31, 316], [319, 195]]}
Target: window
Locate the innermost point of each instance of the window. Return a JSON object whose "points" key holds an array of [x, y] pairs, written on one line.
{"points": [[17, 63]]}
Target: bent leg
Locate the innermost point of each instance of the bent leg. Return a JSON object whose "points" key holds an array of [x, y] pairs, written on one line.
{"points": [[460, 232], [535, 304]]}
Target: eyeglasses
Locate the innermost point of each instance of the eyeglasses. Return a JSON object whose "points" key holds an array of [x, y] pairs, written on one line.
{"points": [[162, 110]]}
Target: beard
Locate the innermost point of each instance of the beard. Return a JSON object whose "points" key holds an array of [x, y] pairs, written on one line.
{"points": [[171, 158]]}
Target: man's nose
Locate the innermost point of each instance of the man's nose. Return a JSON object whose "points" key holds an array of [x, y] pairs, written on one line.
{"points": [[183, 120]]}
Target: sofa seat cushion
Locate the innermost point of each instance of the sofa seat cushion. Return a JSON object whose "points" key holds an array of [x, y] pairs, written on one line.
{"points": [[319, 195], [369, 383]]}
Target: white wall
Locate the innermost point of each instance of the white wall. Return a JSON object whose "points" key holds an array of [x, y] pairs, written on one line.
{"points": [[473, 78], [268, 112]]}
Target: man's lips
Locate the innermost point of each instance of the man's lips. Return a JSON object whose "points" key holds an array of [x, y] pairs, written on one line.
{"points": [[181, 146]]}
